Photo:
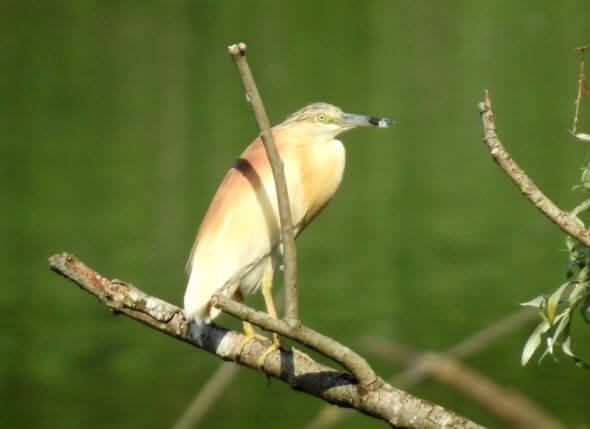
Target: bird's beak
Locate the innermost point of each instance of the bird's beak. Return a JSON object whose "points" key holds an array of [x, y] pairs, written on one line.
{"points": [[350, 120]]}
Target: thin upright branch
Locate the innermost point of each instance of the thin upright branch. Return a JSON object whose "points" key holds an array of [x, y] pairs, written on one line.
{"points": [[238, 55], [505, 161], [297, 369], [582, 90]]}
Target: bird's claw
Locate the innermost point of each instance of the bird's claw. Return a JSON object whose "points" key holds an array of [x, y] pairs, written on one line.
{"points": [[247, 338], [264, 356]]}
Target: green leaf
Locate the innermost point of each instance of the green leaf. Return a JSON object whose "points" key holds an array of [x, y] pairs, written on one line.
{"points": [[554, 300], [562, 321], [570, 243], [578, 294], [535, 302], [534, 341]]}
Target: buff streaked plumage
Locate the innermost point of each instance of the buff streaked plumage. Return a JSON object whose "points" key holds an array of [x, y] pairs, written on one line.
{"points": [[240, 233]]}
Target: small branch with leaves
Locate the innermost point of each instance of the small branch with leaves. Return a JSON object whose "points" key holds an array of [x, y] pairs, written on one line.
{"points": [[574, 294]]}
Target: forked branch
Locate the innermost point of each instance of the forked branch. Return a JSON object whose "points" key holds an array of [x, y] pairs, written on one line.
{"points": [[291, 326], [299, 371]]}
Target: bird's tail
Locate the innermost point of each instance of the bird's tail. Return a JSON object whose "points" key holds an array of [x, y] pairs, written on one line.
{"points": [[197, 301]]}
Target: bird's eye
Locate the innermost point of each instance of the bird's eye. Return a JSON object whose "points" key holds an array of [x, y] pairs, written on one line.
{"points": [[321, 118]]}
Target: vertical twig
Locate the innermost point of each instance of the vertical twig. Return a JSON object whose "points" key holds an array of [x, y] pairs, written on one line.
{"points": [[581, 86], [238, 54]]}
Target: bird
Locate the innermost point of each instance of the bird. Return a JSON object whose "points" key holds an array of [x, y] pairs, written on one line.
{"points": [[238, 244]]}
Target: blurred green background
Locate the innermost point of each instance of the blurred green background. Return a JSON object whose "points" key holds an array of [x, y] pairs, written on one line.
{"points": [[118, 120]]}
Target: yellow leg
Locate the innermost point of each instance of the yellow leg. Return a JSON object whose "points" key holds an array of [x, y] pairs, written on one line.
{"points": [[271, 310], [249, 331]]}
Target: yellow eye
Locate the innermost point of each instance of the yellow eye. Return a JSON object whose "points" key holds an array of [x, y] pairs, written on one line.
{"points": [[321, 118]]}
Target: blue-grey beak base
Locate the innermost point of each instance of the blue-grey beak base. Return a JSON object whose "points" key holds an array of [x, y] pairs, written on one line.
{"points": [[351, 120]]}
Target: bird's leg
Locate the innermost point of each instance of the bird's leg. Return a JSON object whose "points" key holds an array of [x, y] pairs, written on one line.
{"points": [[249, 330], [247, 327], [271, 310]]}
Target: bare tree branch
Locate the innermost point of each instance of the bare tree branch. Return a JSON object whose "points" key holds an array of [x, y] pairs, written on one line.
{"points": [[238, 54], [300, 371], [414, 374], [504, 160]]}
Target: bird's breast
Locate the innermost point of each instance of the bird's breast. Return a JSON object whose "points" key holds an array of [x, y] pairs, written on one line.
{"points": [[314, 175]]}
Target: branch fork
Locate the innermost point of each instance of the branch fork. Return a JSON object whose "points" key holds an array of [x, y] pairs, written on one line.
{"points": [[290, 326], [298, 370]]}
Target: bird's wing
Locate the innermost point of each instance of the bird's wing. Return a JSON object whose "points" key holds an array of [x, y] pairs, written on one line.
{"points": [[241, 224]]}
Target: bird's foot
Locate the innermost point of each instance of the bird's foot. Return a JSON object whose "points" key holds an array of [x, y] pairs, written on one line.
{"points": [[247, 338], [250, 334], [276, 345]]}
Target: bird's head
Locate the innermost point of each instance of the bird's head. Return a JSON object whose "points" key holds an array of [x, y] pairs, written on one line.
{"points": [[326, 120]]}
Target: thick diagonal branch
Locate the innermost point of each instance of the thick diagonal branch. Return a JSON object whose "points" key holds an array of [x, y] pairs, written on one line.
{"points": [[238, 54], [301, 372], [504, 160]]}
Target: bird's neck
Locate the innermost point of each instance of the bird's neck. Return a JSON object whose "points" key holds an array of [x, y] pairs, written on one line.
{"points": [[302, 133]]}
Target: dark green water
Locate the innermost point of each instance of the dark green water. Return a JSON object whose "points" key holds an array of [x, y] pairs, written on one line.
{"points": [[119, 119]]}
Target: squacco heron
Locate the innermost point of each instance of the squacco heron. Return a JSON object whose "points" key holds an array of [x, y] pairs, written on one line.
{"points": [[238, 246]]}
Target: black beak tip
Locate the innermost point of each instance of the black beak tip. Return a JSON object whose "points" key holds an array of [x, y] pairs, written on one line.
{"points": [[381, 122]]}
